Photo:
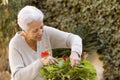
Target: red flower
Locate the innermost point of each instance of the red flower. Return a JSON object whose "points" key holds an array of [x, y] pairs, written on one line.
{"points": [[44, 54], [84, 53], [64, 58]]}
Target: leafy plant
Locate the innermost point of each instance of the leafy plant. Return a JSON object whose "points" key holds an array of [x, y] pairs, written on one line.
{"points": [[63, 71]]}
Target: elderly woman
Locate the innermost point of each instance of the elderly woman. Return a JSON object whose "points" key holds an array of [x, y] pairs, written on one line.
{"points": [[25, 47]]}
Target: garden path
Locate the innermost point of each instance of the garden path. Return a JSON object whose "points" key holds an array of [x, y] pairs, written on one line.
{"points": [[97, 63]]}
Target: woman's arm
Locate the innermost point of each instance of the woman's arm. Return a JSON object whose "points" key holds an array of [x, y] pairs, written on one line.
{"points": [[61, 39], [18, 69]]}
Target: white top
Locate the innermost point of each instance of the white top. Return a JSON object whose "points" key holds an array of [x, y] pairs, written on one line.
{"points": [[25, 63]]}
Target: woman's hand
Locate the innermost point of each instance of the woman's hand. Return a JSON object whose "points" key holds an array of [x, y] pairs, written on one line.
{"points": [[74, 58], [48, 60]]}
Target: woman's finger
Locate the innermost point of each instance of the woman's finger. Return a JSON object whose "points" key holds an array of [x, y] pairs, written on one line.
{"points": [[55, 60], [72, 62], [51, 61], [45, 61], [77, 61]]}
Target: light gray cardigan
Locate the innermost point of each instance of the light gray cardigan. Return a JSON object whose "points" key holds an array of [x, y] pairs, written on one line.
{"points": [[25, 62]]}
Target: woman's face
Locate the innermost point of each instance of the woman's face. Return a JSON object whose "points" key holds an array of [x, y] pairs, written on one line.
{"points": [[35, 30]]}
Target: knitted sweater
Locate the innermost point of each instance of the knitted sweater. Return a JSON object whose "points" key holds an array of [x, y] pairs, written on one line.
{"points": [[25, 63]]}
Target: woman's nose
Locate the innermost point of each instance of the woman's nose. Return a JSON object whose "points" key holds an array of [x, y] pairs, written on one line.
{"points": [[40, 32]]}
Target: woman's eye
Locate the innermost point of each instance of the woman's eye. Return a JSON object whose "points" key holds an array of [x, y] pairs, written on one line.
{"points": [[35, 30], [41, 27]]}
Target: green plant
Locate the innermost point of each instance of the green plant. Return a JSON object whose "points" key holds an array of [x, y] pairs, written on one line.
{"points": [[63, 71]]}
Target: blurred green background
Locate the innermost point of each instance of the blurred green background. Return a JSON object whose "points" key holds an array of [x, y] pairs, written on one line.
{"points": [[96, 21]]}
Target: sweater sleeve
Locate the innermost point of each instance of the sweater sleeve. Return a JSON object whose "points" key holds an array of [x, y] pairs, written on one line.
{"points": [[61, 39], [18, 69]]}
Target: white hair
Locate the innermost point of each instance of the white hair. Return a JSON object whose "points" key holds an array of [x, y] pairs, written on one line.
{"points": [[27, 15]]}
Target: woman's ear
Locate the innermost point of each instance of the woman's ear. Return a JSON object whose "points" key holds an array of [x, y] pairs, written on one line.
{"points": [[23, 32]]}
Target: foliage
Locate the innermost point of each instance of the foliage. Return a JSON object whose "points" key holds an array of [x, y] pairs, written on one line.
{"points": [[70, 16], [63, 71]]}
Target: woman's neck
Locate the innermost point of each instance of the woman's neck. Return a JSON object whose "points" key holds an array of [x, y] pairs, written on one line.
{"points": [[30, 42]]}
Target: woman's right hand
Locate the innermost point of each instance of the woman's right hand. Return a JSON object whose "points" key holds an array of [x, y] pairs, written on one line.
{"points": [[48, 60]]}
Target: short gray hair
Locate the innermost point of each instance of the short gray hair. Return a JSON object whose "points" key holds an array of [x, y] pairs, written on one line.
{"points": [[27, 15]]}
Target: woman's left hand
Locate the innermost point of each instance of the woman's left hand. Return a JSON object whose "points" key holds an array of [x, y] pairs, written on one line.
{"points": [[74, 58]]}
